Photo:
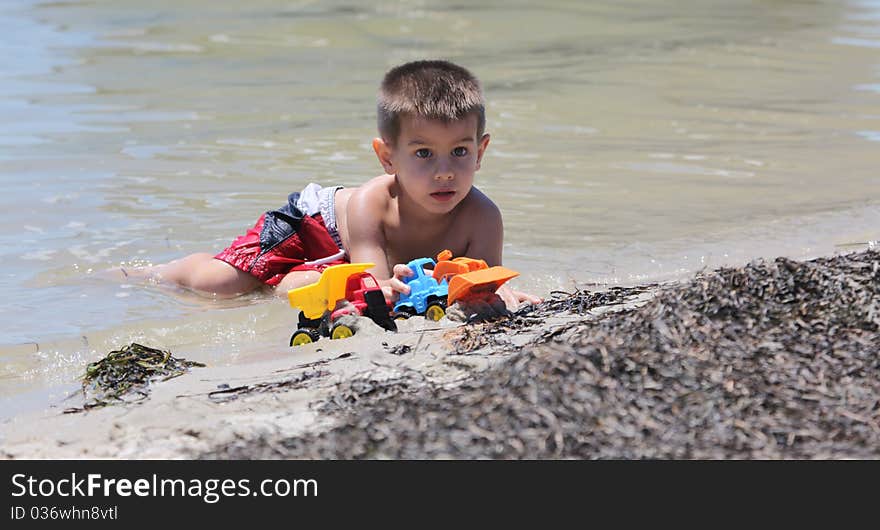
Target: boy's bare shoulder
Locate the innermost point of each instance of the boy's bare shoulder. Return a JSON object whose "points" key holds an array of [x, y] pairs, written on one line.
{"points": [[363, 208], [478, 205], [376, 189], [480, 219]]}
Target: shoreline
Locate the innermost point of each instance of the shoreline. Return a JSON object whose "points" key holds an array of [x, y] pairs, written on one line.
{"points": [[679, 370]]}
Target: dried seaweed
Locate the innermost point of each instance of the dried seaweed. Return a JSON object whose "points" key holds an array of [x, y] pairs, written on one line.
{"points": [[582, 301], [125, 375], [369, 387], [773, 360], [400, 349], [228, 393], [476, 337], [493, 334]]}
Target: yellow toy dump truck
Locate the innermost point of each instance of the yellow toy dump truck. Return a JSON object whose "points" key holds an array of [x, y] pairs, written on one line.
{"points": [[320, 308]]}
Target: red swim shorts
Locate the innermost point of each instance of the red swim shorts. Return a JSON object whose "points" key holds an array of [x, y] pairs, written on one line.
{"points": [[282, 241]]}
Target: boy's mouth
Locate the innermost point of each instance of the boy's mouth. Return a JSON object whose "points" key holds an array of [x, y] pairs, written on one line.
{"points": [[443, 196]]}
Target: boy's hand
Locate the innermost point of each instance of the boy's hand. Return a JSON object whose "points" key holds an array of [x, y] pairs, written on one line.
{"points": [[513, 299], [395, 285]]}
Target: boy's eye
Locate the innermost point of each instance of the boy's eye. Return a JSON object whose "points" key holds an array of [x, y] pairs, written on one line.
{"points": [[460, 151], [423, 153]]}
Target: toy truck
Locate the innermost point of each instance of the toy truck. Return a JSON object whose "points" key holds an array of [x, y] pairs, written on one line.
{"points": [[427, 296], [320, 309], [468, 277]]}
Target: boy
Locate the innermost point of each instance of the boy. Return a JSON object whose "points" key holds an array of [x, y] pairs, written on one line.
{"points": [[431, 124]]}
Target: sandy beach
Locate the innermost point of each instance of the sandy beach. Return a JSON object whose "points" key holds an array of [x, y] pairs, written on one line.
{"points": [[631, 143], [776, 359]]}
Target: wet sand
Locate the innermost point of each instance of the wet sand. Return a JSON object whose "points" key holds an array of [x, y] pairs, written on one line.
{"points": [[776, 359]]}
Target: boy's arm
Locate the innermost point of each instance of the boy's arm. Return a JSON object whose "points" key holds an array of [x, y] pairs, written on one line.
{"points": [[486, 243], [364, 215]]}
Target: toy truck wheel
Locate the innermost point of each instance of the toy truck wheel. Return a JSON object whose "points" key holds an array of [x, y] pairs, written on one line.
{"points": [[435, 310], [341, 331], [403, 313], [303, 336]]}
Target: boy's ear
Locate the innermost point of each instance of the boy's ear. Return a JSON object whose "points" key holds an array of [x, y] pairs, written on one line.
{"points": [[383, 153], [484, 143]]}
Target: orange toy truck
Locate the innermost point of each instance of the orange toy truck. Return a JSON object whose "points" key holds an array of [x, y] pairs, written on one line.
{"points": [[469, 277]]}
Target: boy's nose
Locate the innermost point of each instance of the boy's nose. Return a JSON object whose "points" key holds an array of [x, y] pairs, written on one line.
{"points": [[444, 174]]}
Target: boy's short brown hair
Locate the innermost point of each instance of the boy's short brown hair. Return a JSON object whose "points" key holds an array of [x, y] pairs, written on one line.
{"points": [[437, 90]]}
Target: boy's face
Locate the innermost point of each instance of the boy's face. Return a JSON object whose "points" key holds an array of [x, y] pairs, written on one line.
{"points": [[434, 161]]}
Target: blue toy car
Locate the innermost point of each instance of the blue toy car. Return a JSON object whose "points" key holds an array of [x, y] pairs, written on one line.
{"points": [[426, 296]]}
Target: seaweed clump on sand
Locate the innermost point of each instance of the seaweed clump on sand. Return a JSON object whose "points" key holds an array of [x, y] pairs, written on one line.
{"points": [[777, 359], [491, 336], [125, 375], [582, 301]]}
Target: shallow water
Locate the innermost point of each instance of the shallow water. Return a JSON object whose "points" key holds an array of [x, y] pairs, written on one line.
{"points": [[631, 141]]}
